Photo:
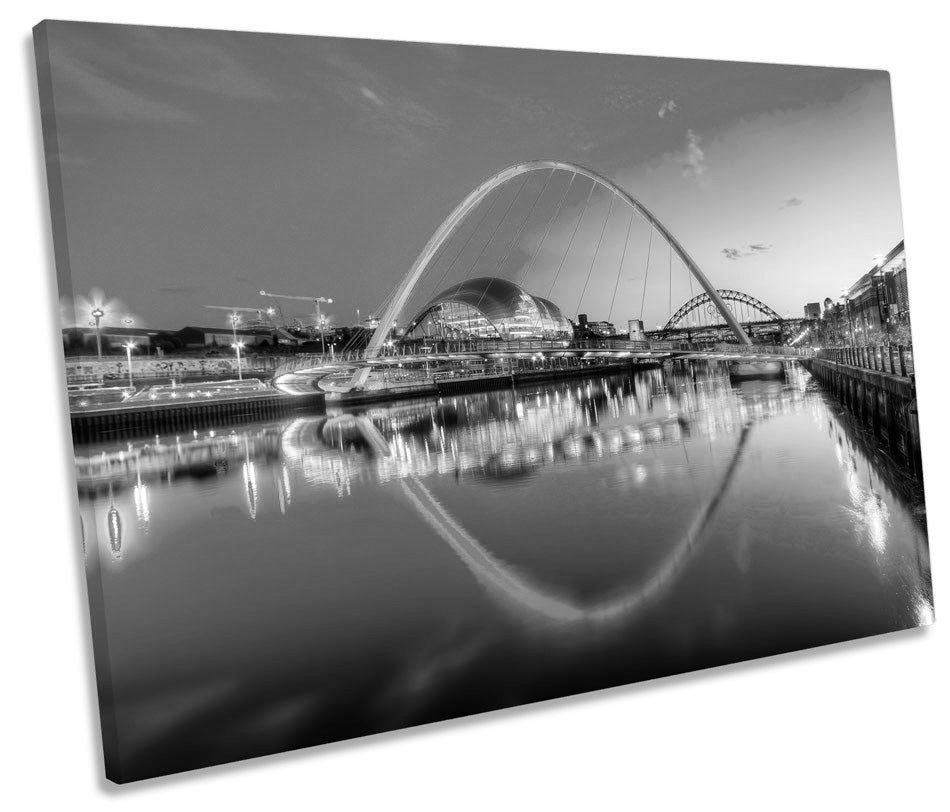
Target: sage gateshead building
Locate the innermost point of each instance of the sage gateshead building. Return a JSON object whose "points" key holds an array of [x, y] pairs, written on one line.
{"points": [[488, 308]]}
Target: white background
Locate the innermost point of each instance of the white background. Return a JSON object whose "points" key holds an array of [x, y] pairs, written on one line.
{"points": [[858, 725]]}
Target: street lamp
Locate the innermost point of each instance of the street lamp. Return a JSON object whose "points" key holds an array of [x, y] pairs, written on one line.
{"points": [[129, 346], [235, 319], [97, 314], [237, 351], [317, 301]]}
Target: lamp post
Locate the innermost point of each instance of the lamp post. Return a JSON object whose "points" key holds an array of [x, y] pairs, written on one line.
{"points": [[237, 351], [129, 346], [97, 314], [235, 319], [317, 301]]}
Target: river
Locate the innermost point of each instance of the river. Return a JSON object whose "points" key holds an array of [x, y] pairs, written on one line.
{"points": [[282, 584]]}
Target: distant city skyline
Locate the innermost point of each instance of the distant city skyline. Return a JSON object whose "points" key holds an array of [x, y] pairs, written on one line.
{"points": [[201, 166]]}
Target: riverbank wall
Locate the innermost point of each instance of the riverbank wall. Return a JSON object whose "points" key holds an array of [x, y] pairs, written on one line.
{"points": [[885, 403], [121, 420], [113, 423], [468, 385], [490, 383], [85, 369]]}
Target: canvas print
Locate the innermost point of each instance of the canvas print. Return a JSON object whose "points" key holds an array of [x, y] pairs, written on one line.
{"points": [[410, 381]]}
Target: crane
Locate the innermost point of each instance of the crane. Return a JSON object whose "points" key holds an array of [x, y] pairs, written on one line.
{"points": [[261, 311], [316, 300]]}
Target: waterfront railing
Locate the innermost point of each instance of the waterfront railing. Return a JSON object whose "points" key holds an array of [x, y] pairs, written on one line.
{"points": [[894, 359]]}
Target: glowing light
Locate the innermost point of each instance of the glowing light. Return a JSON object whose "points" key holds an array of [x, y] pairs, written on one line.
{"points": [[114, 521], [250, 488], [140, 497]]}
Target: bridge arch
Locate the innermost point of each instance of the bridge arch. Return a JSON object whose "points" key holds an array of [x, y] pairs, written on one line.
{"points": [[477, 195], [509, 582], [704, 300]]}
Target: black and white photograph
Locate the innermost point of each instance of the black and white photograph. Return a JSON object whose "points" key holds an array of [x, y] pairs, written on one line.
{"points": [[411, 381]]}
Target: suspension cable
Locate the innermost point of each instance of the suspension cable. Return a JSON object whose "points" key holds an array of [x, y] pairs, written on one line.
{"points": [[646, 275], [497, 226], [593, 260], [669, 306], [524, 222], [514, 239], [571, 242], [488, 210], [524, 275], [620, 269]]}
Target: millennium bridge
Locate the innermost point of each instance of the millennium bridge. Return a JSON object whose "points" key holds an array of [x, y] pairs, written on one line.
{"points": [[530, 234]]}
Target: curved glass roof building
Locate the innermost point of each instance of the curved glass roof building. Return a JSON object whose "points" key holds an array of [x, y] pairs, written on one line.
{"points": [[488, 308]]}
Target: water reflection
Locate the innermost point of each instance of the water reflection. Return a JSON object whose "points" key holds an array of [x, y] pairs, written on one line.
{"points": [[418, 560], [499, 439], [504, 435]]}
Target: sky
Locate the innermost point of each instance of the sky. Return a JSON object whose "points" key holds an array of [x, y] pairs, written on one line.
{"points": [[199, 167]]}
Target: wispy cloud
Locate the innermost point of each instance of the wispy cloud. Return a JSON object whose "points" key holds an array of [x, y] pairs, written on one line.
{"points": [[369, 94], [155, 75], [98, 95], [668, 108], [750, 250], [695, 160], [207, 62], [379, 101], [790, 202]]}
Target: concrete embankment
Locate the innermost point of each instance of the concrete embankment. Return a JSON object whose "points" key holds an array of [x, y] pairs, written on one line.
{"points": [[123, 420], [111, 423], [488, 383], [885, 403]]}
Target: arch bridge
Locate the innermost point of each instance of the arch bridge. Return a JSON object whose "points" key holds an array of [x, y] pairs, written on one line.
{"points": [[471, 202], [702, 313], [580, 185]]}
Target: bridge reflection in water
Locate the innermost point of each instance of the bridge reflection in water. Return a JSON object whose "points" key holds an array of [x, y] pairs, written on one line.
{"points": [[409, 562]]}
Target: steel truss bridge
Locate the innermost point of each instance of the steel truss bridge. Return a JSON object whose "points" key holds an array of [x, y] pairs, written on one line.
{"points": [[699, 319], [534, 250]]}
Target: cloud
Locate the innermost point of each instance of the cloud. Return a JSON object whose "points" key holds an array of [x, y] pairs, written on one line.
{"points": [[154, 75], [695, 162], [668, 108], [367, 93], [750, 250], [792, 201], [378, 102], [211, 62], [98, 95]]}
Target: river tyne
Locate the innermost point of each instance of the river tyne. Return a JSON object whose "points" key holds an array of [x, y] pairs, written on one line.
{"points": [[281, 584]]}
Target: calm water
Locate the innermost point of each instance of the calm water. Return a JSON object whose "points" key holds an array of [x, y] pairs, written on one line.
{"points": [[279, 585]]}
